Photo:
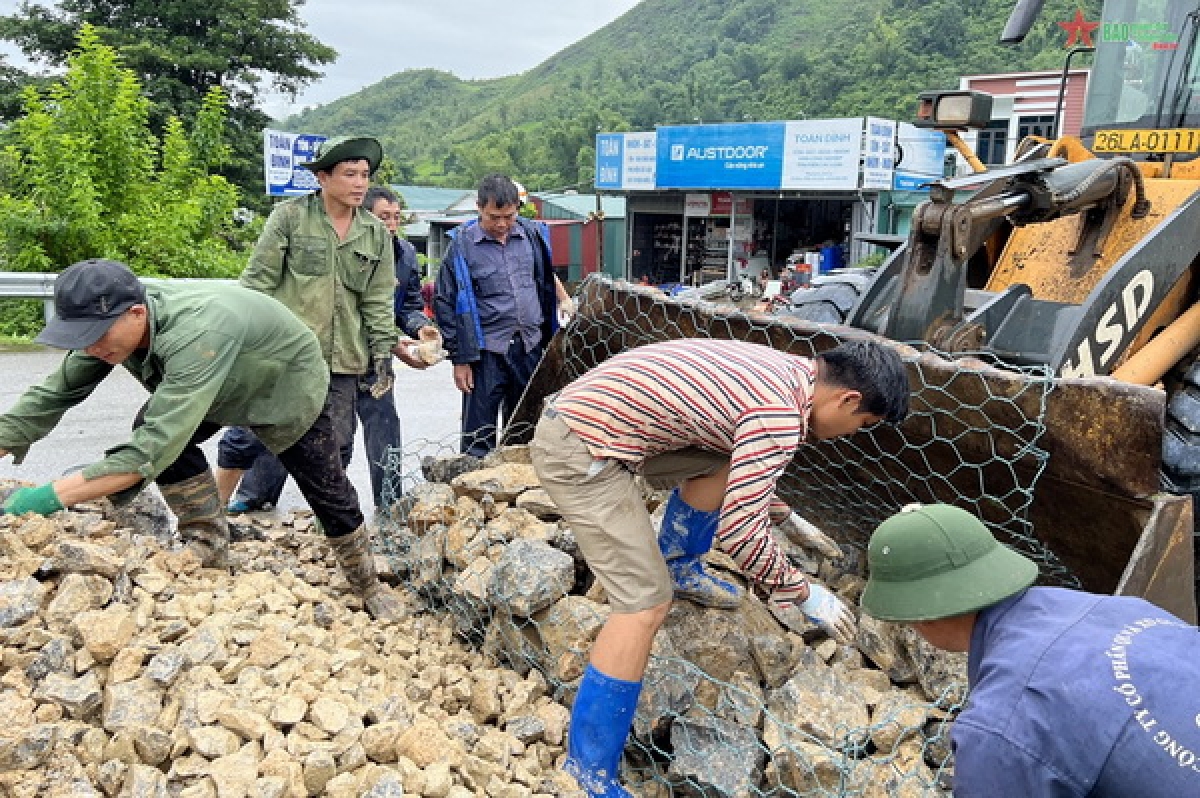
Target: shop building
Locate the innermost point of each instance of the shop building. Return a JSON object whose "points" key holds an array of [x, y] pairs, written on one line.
{"points": [[707, 202]]}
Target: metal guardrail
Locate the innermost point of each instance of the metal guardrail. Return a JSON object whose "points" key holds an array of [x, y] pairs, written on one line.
{"points": [[40, 285]]}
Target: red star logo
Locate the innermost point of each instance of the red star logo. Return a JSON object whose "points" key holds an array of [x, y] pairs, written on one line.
{"points": [[1079, 29]]}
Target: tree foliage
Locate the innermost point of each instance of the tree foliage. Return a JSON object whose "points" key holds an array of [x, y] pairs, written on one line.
{"points": [[83, 176], [682, 61], [183, 49]]}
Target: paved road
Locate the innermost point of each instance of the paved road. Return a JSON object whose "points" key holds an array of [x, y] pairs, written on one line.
{"points": [[427, 401]]}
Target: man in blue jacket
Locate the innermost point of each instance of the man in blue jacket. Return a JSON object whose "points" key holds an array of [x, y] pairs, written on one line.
{"points": [[1071, 693], [497, 302]]}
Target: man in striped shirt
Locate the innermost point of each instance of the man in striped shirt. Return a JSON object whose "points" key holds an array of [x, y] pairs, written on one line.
{"points": [[721, 419]]}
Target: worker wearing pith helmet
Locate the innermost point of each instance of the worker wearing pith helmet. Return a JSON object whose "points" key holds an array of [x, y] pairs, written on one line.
{"points": [[937, 561], [1071, 693]]}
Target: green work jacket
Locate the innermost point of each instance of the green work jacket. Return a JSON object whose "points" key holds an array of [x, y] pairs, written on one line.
{"points": [[217, 353], [342, 290]]}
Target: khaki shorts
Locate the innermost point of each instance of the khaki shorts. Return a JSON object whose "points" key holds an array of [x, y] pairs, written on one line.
{"points": [[668, 469], [602, 503]]}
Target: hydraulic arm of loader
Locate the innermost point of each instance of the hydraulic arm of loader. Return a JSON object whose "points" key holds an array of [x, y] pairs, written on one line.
{"points": [[921, 296]]}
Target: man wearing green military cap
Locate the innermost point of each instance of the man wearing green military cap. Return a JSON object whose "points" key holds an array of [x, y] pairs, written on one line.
{"points": [[331, 262], [1071, 693]]}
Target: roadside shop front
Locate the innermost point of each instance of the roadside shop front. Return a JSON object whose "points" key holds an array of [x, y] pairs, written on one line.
{"points": [[708, 202]]}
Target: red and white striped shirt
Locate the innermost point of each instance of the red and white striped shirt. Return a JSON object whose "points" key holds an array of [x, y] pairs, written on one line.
{"points": [[744, 399]]}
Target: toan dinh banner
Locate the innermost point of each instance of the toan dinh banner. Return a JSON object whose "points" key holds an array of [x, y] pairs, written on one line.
{"points": [[810, 154], [282, 155]]}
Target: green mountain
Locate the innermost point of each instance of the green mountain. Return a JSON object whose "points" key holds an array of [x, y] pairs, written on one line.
{"points": [[678, 61]]}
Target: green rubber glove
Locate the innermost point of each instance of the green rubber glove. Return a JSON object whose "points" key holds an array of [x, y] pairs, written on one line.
{"points": [[41, 500]]}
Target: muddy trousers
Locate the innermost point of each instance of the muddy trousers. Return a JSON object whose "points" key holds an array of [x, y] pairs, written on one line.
{"points": [[313, 461], [265, 475]]}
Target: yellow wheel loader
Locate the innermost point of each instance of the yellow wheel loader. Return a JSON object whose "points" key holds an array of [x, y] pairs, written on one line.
{"points": [[1074, 266]]}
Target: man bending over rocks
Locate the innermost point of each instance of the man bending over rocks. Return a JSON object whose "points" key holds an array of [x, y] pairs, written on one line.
{"points": [[210, 356], [723, 420]]}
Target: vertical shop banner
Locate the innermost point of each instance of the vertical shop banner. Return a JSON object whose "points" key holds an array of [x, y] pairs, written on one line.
{"points": [[879, 153], [921, 158], [744, 156], [610, 152], [282, 155], [822, 154], [625, 161]]}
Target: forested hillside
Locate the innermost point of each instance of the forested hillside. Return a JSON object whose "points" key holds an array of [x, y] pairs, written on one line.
{"points": [[678, 61]]}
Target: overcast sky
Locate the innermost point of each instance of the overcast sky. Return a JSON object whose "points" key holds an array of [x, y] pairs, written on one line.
{"points": [[470, 38]]}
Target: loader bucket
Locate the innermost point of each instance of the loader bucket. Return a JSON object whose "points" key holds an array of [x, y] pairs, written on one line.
{"points": [[1064, 470]]}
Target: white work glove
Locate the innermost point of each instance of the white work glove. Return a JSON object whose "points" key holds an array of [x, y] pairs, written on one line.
{"points": [[823, 608], [803, 533], [566, 310]]}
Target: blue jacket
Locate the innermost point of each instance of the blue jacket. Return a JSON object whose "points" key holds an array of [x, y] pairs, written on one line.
{"points": [[1079, 695], [409, 308], [454, 300]]}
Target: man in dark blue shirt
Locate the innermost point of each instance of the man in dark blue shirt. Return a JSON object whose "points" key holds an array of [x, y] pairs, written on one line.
{"points": [[497, 302], [1071, 693]]}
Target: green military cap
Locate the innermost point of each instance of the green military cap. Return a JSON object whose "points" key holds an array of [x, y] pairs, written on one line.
{"points": [[331, 152], [936, 561]]}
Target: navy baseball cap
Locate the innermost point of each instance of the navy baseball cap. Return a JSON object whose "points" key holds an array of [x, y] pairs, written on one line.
{"points": [[89, 297]]}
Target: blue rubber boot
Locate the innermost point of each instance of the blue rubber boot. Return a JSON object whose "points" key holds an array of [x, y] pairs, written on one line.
{"points": [[601, 718], [686, 536]]}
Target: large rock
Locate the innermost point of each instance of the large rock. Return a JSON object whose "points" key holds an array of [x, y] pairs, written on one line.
{"points": [[567, 629], [56, 656], [20, 600], [143, 781], [669, 689], [80, 557], [78, 697], [504, 483], [716, 757], [447, 468], [899, 716], [432, 504], [941, 674], [517, 524], [105, 632], [25, 747], [817, 702], [133, 703], [530, 576], [77, 594], [882, 643], [538, 502], [165, 666]]}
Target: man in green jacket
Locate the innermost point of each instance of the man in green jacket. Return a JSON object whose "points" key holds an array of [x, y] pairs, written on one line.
{"points": [[332, 263], [210, 356]]}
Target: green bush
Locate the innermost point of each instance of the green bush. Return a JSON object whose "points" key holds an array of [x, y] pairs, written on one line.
{"points": [[83, 176], [21, 318]]}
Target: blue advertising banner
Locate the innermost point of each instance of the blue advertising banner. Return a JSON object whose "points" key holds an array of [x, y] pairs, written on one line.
{"points": [[742, 156], [282, 155], [921, 158], [610, 151]]}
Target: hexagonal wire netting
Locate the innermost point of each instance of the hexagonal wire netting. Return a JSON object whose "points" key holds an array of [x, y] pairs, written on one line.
{"points": [[733, 704]]}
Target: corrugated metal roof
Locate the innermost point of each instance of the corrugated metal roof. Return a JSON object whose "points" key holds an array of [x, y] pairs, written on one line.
{"points": [[578, 206], [431, 198]]}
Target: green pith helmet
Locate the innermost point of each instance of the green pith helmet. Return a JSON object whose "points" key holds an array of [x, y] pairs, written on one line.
{"points": [[331, 152], [935, 561]]}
